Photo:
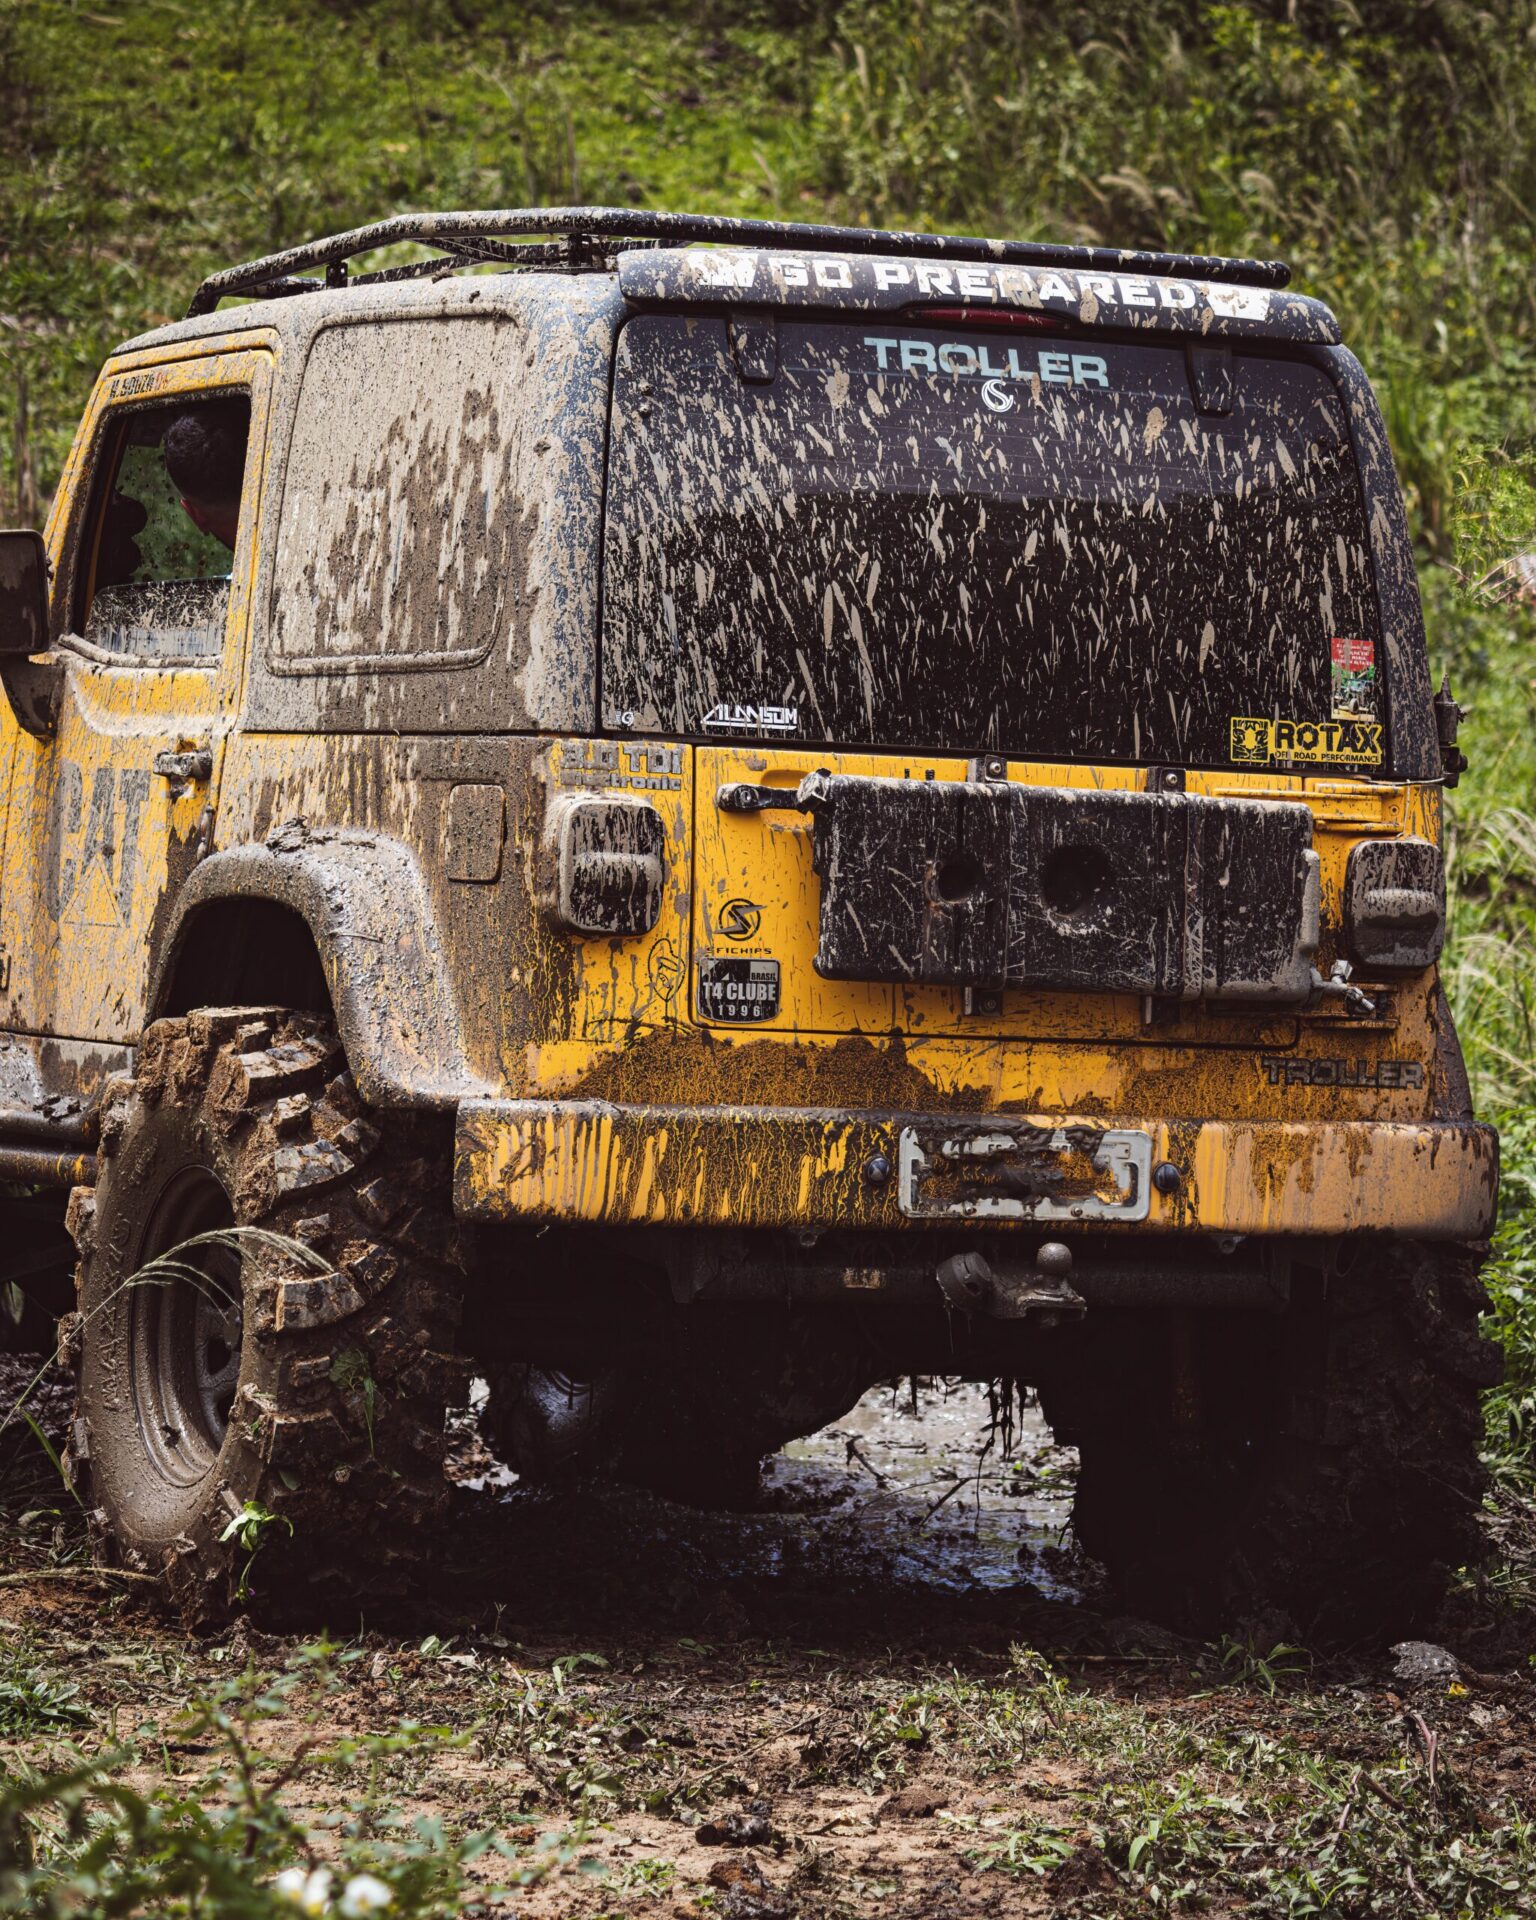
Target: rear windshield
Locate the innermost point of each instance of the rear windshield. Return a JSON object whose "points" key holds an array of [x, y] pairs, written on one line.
{"points": [[985, 540]]}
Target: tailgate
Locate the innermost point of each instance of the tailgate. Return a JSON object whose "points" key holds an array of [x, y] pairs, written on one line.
{"points": [[898, 894]]}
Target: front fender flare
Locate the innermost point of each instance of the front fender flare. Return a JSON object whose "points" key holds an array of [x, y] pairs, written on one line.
{"points": [[364, 900]]}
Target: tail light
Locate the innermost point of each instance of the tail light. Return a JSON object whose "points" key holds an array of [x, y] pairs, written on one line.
{"points": [[1394, 904], [603, 864]]}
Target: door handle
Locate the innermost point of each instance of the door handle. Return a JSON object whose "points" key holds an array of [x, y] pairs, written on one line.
{"points": [[186, 768]]}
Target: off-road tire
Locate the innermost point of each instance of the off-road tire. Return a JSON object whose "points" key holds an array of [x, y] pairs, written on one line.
{"points": [[336, 1420], [1335, 1479]]}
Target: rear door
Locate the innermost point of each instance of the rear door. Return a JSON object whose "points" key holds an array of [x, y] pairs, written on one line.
{"points": [[921, 551]]}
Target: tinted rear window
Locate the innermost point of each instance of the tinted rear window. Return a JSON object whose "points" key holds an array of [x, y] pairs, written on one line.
{"points": [[985, 540]]}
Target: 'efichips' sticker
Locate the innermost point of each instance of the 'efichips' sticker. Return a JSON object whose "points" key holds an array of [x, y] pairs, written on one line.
{"points": [[1351, 743]]}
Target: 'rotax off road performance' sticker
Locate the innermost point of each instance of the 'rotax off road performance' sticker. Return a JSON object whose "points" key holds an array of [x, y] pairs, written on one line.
{"points": [[1350, 743]]}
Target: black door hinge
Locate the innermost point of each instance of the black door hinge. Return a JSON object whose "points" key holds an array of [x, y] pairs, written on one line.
{"points": [[1449, 714]]}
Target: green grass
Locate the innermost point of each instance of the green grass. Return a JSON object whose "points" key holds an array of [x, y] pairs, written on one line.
{"points": [[32, 1702], [1140, 1800], [1386, 147]]}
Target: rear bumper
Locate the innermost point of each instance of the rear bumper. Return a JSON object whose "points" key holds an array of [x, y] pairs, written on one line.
{"points": [[592, 1162]]}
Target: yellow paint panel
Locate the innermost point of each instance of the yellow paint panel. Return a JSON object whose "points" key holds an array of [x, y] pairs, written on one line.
{"points": [[754, 1167]]}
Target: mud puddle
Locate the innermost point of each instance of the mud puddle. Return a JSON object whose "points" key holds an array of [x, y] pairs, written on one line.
{"points": [[919, 1490], [917, 1485]]}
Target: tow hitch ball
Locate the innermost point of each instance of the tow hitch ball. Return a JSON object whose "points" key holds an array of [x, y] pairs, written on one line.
{"points": [[969, 1282]]}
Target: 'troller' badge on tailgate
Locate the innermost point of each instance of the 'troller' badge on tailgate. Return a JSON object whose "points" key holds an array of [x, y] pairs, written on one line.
{"points": [[1016, 1170]]}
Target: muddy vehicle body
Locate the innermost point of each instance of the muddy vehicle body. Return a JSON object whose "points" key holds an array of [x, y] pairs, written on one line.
{"points": [[741, 811]]}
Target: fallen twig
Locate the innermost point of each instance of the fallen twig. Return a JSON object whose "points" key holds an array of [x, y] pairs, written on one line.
{"points": [[77, 1573], [1127, 1659], [856, 1452], [1429, 1745], [1349, 1806], [953, 1490], [1382, 1793]]}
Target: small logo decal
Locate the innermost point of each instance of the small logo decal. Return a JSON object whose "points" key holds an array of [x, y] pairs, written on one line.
{"points": [[738, 992], [740, 919], [730, 716], [997, 397], [665, 968], [1352, 665]]}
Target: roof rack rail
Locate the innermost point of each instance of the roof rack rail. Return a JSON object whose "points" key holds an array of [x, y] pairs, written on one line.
{"points": [[582, 238]]}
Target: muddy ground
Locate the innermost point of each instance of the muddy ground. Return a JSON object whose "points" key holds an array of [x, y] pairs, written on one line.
{"points": [[893, 1689]]}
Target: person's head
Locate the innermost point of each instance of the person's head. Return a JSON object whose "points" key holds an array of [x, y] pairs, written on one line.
{"points": [[205, 456]]}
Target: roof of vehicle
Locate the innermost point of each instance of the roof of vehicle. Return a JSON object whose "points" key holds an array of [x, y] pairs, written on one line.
{"points": [[583, 238], [665, 259]]}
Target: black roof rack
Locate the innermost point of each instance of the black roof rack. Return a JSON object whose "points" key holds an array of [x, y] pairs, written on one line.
{"points": [[581, 238]]}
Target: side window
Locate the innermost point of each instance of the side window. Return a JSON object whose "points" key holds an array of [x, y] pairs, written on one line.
{"points": [[154, 569], [400, 546]]}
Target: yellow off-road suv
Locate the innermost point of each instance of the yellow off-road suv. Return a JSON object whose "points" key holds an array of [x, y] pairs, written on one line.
{"points": [[688, 815]]}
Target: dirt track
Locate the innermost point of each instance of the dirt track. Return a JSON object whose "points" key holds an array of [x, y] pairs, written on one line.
{"points": [[823, 1707]]}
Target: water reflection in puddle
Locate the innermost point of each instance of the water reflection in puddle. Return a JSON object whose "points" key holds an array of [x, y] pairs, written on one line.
{"points": [[911, 1487]]}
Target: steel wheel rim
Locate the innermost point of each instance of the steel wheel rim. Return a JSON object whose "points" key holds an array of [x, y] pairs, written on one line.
{"points": [[186, 1327]]}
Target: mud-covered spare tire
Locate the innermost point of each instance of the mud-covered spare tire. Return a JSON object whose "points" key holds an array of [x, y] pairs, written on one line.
{"points": [[1315, 1473], [263, 1426]]}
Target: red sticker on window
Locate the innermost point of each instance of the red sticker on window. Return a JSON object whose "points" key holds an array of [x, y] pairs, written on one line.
{"points": [[1353, 677]]}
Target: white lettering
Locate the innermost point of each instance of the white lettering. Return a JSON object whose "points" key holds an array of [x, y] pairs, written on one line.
{"points": [[991, 361], [1175, 293], [717, 268], [833, 273], [891, 273], [1238, 303], [932, 279], [976, 283], [1137, 293], [1100, 285], [792, 273], [1053, 287]]}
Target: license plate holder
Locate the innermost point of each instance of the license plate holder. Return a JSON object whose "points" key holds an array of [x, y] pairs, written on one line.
{"points": [[1023, 1170]]}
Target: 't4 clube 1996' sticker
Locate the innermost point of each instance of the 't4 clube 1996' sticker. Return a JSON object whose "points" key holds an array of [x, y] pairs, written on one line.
{"points": [[1343, 742], [738, 991]]}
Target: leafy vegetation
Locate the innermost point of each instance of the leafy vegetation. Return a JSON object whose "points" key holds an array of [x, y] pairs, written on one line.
{"points": [[32, 1702], [93, 1839]]}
